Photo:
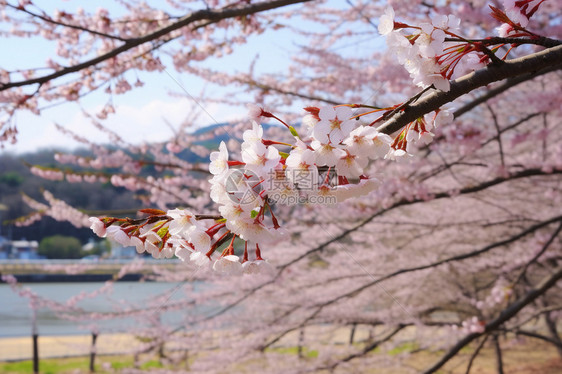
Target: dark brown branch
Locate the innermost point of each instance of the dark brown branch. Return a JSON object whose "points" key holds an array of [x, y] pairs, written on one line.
{"points": [[200, 15], [512, 68], [544, 141], [539, 254], [448, 165], [207, 216], [460, 257], [532, 334], [375, 281], [511, 82], [498, 351], [50, 20], [553, 330], [504, 316], [498, 133], [535, 316], [475, 353], [405, 104]]}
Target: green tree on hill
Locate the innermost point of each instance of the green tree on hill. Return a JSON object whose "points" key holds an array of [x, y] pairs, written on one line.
{"points": [[59, 246]]}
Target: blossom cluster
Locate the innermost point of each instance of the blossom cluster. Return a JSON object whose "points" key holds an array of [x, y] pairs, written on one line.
{"points": [[418, 131], [335, 141], [499, 294], [56, 209], [179, 232], [423, 52], [433, 53], [330, 161], [473, 325]]}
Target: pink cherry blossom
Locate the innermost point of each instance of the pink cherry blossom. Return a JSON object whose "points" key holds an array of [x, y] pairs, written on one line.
{"points": [[228, 265], [386, 21], [98, 227], [334, 125], [182, 220], [219, 160]]}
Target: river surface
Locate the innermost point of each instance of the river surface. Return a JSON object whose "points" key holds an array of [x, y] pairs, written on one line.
{"points": [[16, 314]]}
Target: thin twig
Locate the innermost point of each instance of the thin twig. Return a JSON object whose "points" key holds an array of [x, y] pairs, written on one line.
{"points": [[475, 353]]}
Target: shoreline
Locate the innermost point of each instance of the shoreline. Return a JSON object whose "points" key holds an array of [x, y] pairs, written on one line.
{"points": [[61, 271], [64, 278]]}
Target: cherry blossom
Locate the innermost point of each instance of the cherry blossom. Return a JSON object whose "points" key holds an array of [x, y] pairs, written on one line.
{"points": [[228, 264], [219, 160], [260, 160], [182, 220], [386, 22], [199, 259], [335, 124], [98, 226], [351, 166], [360, 141], [381, 145], [199, 238], [117, 234], [326, 154], [257, 267]]}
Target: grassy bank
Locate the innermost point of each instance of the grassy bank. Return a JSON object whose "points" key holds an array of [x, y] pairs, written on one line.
{"points": [[519, 357], [104, 364]]}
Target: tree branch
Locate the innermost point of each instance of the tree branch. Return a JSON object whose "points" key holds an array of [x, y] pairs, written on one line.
{"points": [[475, 353], [513, 68], [498, 351], [460, 257], [535, 335], [265, 87], [200, 15], [511, 82], [553, 330], [50, 20], [498, 132], [539, 254], [375, 281]]}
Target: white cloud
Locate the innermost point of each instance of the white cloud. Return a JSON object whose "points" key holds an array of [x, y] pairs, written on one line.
{"points": [[148, 123]]}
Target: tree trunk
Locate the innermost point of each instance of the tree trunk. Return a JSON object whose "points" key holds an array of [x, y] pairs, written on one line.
{"points": [[499, 361], [93, 353], [552, 329]]}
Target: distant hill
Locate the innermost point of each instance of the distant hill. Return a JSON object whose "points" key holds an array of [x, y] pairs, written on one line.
{"points": [[15, 179]]}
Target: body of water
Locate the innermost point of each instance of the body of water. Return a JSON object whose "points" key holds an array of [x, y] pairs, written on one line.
{"points": [[16, 314]]}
